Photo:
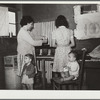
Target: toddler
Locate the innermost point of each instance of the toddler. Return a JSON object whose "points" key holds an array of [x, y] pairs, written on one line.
{"points": [[71, 71], [28, 72], [65, 72]]}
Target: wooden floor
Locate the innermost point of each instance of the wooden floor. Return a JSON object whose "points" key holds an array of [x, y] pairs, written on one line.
{"points": [[49, 87]]}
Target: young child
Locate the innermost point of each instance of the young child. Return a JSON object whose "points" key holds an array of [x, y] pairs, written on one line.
{"points": [[28, 72], [71, 71]]}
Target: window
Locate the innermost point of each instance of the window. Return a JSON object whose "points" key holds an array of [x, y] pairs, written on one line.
{"points": [[12, 23]]}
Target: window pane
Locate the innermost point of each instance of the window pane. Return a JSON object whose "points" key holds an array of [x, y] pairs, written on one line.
{"points": [[11, 17], [12, 29]]}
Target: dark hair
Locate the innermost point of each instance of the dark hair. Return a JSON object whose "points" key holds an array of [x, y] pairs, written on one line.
{"points": [[25, 20], [61, 21], [74, 53], [31, 57]]}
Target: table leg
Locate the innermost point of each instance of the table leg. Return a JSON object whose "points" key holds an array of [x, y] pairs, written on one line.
{"points": [[43, 73]]}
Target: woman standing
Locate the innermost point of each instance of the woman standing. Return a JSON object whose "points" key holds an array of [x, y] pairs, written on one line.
{"points": [[25, 42], [63, 39]]}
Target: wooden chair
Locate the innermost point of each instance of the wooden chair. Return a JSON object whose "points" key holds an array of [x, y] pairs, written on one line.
{"points": [[57, 84]]}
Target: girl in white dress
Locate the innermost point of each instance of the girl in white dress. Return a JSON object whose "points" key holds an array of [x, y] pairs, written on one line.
{"points": [[72, 68], [63, 39]]}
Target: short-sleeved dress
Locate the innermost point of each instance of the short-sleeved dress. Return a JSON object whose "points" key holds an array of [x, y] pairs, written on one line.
{"points": [[74, 69], [62, 36]]}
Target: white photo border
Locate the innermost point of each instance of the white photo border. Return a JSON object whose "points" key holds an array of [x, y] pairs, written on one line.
{"points": [[49, 94]]}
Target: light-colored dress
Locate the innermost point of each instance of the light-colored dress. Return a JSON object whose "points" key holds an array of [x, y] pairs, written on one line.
{"points": [[73, 69], [25, 45], [62, 36]]}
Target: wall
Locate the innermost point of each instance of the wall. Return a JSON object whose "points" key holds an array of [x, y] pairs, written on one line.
{"points": [[48, 12], [19, 15], [8, 46]]}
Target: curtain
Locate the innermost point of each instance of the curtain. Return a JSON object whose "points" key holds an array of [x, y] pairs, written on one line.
{"points": [[4, 22], [43, 29]]}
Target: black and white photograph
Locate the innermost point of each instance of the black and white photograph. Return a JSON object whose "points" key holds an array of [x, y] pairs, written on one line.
{"points": [[50, 47]]}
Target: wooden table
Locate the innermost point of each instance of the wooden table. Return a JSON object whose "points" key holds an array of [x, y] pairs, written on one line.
{"points": [[43, 59]]}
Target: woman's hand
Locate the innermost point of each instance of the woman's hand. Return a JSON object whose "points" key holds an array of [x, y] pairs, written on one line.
{"points": [[45, 40]]}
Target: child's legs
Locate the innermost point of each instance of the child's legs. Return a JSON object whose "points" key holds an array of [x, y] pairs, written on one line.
{"points": [[66, 74], [24, 87], [62, 74], [30, 86], [55, 74]]}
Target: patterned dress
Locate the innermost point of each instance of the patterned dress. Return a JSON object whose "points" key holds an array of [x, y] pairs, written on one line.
{"points": [[62, 36]]}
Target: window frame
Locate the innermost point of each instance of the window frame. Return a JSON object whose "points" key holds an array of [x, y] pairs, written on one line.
{"points": [[13, 10]]}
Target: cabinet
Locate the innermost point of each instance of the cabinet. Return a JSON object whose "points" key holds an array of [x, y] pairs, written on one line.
{"points": [[11, 79], [92, 69]]}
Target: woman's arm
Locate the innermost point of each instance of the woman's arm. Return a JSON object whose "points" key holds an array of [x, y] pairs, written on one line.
{"points": [[72, 41], [53, 43], [72, 44], [26, 37]]}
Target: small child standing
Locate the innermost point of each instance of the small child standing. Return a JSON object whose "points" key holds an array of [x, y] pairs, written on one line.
{"points": [[28, 72], [71, 70]]}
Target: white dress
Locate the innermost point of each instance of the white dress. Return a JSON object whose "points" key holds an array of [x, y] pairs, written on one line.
{"points": [[73, 69], [62, 36]]}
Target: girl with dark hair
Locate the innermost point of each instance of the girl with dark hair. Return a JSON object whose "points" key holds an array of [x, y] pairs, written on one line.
{"points": [[61, 21], [25, 20], [63, 39]]}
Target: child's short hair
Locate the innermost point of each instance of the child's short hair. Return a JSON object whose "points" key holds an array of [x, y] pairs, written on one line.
{"points": [[74, 53], [31, 57]]}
